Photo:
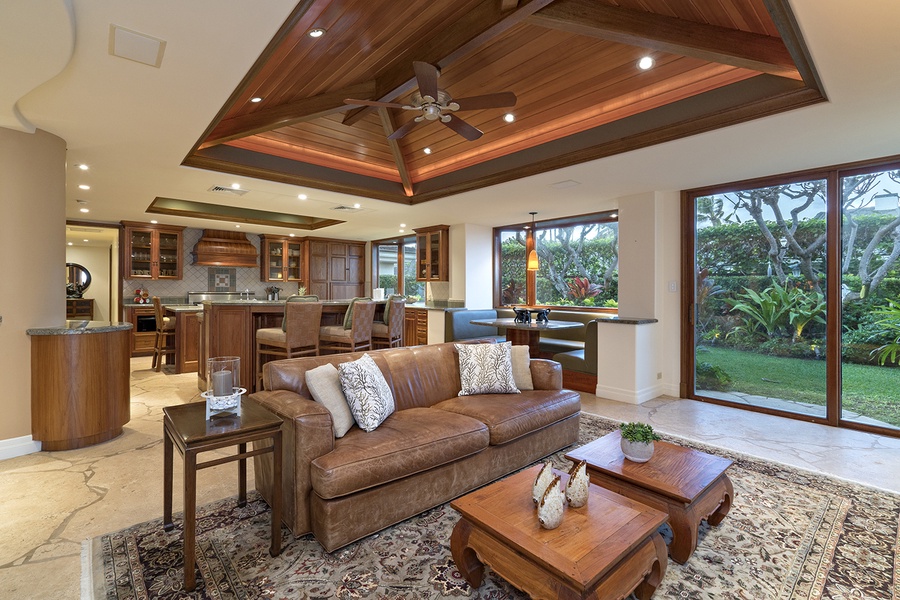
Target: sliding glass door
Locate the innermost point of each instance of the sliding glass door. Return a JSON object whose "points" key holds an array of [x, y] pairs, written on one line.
{"points": [[795, 302]]}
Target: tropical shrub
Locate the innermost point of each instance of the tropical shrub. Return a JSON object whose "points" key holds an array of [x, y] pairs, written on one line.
{"points": [[890, 324], [710, 377]]}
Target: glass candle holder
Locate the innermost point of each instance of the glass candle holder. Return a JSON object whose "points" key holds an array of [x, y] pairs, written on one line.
{"points": [[223, 386]]}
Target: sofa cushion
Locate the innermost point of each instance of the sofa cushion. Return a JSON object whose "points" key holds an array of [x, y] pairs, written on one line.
{"points": [[521, 366], [367, 392], [486, 369], [408, 442], [510, 416], [552, 345], [324, 384]]}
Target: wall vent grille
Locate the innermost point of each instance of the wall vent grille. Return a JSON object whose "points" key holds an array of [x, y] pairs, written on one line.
{"points": [[227, 190]]}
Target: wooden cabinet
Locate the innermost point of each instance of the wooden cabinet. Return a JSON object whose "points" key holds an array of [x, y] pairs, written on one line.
{"points": [[79, 308], [143, 334], [433, 253], [336, 269], [152, 251], [415, 327], [282, 259]]}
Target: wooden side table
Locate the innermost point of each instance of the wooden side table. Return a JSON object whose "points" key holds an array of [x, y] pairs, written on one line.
{"points": [[185, 427]]}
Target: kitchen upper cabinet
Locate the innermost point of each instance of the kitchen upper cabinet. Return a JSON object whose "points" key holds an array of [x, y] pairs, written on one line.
{"points": [[433, 253], [152, 251], [336, 269], [282, 259]]}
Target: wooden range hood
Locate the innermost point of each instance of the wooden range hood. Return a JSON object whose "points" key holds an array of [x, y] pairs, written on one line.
{"points": [[224, 249]]}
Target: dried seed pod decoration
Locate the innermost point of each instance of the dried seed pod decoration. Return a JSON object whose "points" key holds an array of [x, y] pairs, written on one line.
{"points": [[552, 505], [541, 482], [577, 487]]}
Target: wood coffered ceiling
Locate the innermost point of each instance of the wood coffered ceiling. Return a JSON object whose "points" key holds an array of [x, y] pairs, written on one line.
{"points": [[571, 63]]}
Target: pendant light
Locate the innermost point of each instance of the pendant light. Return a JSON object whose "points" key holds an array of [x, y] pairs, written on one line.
{"points": [[533, 264]]}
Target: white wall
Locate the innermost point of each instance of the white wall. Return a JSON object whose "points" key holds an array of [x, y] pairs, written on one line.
{"points": [[96, 259], [32, 252], [471, 265]]}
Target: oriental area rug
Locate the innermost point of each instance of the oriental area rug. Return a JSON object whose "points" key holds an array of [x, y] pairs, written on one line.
{"points": [[790, 535]]}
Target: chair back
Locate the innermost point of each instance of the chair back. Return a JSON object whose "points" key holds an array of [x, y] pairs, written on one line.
{"points": [[296, 298], [363, 315], [158, 312], [396, 317], [302, 321]]}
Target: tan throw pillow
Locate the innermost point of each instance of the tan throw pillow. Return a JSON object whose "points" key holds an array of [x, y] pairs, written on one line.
{"points": [[521, 367], [485, 369], [324, 384], [368, 393]]}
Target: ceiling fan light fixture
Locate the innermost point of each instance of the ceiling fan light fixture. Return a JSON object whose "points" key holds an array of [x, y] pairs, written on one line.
{"points": [[316, 32]]}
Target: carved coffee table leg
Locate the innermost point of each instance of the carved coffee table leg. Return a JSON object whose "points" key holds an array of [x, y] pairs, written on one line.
{"points": [[716, 517], [648, 586], [465, 558], [684, 535]]}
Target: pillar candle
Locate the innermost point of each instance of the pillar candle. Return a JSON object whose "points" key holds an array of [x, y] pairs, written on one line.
{"points": [[222, 383]]}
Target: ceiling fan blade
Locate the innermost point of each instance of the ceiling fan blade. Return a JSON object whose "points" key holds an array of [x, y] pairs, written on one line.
{"points": [[403, 130], [500, 100], [462, 128], [427, 77], [372, 103]]}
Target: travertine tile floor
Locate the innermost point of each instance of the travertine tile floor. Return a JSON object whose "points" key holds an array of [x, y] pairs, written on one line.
{"points": [[52, 501]]}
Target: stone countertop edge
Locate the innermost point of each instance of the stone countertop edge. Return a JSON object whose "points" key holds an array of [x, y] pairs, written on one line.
{"points": [[628, 320], [81, 327]]}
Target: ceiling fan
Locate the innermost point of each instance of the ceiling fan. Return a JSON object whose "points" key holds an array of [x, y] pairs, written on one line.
{"points": [[436, 104]]}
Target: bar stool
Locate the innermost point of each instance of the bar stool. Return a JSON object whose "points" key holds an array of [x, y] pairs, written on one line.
{"points": [[165, 328], [390, 333], [299, 335], [357, 337]]}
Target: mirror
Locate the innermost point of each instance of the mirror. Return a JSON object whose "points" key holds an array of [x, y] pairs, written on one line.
{"points": [[78, 279]]}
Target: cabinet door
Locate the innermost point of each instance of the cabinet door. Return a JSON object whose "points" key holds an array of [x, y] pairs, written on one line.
{"points": [[140, 245], [168, 262], [338, 266], [274, 260], [294, 261], [318, 270]]}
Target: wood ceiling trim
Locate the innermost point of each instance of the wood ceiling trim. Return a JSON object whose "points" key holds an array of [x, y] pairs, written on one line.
{"points": [[236, 214], [734, 47], [388, 123], [472, 31], [284, 115]]}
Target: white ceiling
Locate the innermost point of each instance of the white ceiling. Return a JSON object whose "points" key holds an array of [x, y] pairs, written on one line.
{"points": [[133, 123]]}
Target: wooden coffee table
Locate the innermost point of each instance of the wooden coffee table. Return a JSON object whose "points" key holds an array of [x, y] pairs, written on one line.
{"points": [[604, 550], [688, 484]]}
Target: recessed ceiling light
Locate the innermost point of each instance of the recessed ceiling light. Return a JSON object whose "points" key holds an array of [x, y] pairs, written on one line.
{"points": [[509, 117], [69, 244], [357, 205], [292, 235], [402, 224], [256, 99], [645, 63], [302, 196], [154, 221], [402, 231], [237, 226], [427, 150], [86, 240], [83, 167], [614, 215], [85, 210], [84, 186], [316, 33], [235, 186]]}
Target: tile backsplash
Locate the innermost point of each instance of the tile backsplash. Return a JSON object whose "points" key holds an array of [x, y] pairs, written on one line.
{"points": [[196, 278]]}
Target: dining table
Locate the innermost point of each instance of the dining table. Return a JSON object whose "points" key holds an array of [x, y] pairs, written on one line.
{"points": [[528, 333]]}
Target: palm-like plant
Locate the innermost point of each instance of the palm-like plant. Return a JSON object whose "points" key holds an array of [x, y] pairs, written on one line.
{"points": [[891, 324], [581, 288]]}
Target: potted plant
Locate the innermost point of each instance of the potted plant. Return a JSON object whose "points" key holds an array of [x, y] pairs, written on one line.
{"points": [[637, 441]]}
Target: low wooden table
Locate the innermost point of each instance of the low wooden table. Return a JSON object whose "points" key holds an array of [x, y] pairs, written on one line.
{"points": [[688, 484], [185, 427], [604, 550]]}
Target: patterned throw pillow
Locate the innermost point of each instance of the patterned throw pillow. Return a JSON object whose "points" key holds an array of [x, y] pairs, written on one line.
{"points": [[486, 369], [367, 392]]}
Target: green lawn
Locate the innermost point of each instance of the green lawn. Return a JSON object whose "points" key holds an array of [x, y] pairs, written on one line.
{"points": [[868, 390]]}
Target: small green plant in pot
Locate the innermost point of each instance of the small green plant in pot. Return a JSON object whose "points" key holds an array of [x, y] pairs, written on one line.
{"points": [[637, 441]]}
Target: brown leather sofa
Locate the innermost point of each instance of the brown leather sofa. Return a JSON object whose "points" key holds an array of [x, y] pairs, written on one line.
{"points": [[436, 446]]}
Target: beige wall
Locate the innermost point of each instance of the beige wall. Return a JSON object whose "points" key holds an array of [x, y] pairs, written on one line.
{"points": [[471, 265], [32, 253], [96, 259]]}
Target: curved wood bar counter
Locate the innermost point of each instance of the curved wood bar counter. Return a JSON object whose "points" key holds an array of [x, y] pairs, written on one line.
{"points": [[80, 391]]}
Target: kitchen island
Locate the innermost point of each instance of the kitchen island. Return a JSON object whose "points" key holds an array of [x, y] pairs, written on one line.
{"points": [[229, 329]]}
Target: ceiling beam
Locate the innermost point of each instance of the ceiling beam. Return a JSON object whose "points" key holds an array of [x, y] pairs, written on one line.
{"points": [[283, 115], [387, 122], [668, 34], [485, 22]]}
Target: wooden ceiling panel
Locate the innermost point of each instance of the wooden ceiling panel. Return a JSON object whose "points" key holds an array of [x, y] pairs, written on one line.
{"points": [[571, 64]]}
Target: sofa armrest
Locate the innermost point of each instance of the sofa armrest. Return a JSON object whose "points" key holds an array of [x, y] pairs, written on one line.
{"points": [[307, 434], [546, 374]]}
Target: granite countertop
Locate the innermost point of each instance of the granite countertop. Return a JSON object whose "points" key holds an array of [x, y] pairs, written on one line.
{"points": [[281, 302], [628, 320], [80, 327], [429, 306], [183, 307]]}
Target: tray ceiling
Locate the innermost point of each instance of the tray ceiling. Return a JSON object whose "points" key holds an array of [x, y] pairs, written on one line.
{"points": [[571, 63]]}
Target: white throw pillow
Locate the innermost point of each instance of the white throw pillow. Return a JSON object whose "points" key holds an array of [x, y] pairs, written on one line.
{"points": [[521, 367], [324, 384], [367, 392], [486, 369]]}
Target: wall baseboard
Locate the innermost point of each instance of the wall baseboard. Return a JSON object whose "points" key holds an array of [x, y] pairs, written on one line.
{"points": [[19, 446], [627, 395]]}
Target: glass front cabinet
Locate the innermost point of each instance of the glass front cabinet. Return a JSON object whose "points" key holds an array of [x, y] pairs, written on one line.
{"points": [[433, 253], [282, 258], [152, 251]]}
